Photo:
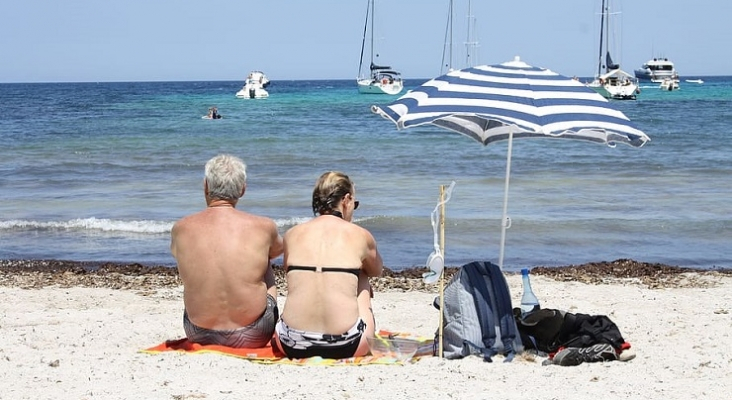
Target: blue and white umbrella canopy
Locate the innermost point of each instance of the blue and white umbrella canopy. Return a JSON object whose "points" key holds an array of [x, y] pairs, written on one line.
{"points": [[512, 100], [488, 102]]}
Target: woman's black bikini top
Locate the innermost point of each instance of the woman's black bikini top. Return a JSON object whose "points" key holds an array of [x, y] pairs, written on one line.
{"points": [[353, 271]]}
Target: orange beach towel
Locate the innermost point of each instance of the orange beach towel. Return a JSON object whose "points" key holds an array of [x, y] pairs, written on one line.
{"points": [[268, 355]]}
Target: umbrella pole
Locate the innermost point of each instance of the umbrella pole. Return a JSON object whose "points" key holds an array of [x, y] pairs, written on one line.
{"points": [[442, 274], [505, 221]]}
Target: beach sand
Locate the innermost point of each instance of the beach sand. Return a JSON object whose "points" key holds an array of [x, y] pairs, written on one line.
{"points": [[70, 333]]}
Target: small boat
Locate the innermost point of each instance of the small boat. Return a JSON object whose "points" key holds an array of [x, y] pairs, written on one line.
{"points": [[669, 84], [381, 78], [699, 81], [254, 86], [656, 70]]}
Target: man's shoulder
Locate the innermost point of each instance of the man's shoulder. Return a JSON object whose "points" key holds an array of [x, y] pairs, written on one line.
{"points": [[190, 217], [257, 219], [185, 219]]}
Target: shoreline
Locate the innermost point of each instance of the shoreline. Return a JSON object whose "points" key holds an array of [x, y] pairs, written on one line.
{"points": [[64, 273]]}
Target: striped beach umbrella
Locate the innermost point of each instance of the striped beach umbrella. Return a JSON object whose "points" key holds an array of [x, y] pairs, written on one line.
{"points": [[490, 103]]}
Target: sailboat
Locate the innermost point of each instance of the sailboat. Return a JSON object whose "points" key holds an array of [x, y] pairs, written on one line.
{"points": [[380, 79], [614, 83]]}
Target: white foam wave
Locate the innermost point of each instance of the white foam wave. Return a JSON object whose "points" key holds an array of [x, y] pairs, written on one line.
{"points": [[290, 222], [91, 224], [122, 226]]}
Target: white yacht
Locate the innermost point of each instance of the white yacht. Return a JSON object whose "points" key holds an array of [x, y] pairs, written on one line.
{"points": [[656, 70], [254, 86]]}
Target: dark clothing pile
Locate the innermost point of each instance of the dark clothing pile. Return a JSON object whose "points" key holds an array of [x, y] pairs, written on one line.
{"points": [[548, 330]]}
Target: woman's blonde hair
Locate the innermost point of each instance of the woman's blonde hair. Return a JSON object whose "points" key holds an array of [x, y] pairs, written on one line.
{"points": [[329, 191]]}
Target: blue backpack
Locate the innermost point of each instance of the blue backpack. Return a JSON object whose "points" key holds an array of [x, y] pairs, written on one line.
{"points": [[478, 317]]}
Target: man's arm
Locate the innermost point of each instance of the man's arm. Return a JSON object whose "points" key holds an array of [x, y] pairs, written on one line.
{"points": [[276, 247]]}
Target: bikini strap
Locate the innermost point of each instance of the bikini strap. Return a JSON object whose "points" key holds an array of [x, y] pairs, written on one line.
{"points": [[300, 268], [353, 271]]}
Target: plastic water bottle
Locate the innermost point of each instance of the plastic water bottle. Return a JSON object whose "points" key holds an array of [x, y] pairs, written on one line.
{"points": [[529, 302]]}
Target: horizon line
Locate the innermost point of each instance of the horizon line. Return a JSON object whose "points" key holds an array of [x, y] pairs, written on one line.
{"points": [[273, 80]]}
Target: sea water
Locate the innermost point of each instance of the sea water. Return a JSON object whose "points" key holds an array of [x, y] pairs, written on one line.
{"points": [[101, 171]]}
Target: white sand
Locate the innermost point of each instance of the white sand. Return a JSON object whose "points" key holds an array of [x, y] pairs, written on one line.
{"points": [[82, 343]]}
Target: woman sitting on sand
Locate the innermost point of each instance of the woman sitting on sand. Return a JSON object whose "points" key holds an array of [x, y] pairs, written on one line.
{"points": [[328, 262]]}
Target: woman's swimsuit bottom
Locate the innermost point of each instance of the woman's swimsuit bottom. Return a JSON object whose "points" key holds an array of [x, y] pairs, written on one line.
{"points": [[302, 344], [257, 334], [354, 271]]}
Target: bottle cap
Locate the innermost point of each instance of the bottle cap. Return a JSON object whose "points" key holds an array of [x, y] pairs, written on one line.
{"points": [[524, 271]]}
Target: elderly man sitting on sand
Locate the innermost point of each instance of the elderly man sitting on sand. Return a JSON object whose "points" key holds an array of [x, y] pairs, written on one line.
{"points": [[223, 257]]}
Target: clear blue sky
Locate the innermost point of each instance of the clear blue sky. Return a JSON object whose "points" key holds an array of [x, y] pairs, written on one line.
{"points": [[182, 40]]}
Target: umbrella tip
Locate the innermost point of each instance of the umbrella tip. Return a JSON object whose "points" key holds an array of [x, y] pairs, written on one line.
{"points": [[516, 62]]}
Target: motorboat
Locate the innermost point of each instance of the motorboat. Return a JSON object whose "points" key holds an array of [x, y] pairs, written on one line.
{"points": [[614, 83], [669, 84], [381, 79], [699, 81], [656, 70], [254, 86], [259, 76]]}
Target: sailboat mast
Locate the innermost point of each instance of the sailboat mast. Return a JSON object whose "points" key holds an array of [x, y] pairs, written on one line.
{"points": [[363, 41], [447, 46], [602, 31], [470, 44], [372, 32], [449, 67], [607, 37]]}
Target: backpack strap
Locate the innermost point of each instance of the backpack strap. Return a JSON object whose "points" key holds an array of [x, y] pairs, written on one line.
{"points": [[482, 299], [503, 308]]}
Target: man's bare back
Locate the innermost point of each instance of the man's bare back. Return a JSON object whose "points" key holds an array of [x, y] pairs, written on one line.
{"points": [[223, 259]]}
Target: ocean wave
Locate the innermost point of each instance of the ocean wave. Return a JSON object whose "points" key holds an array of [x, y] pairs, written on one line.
{"points": [[286, 223], [90, 224], [122, 226]]}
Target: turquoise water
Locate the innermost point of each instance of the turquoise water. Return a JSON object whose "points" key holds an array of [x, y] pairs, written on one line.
{"points": [[101, 171]]}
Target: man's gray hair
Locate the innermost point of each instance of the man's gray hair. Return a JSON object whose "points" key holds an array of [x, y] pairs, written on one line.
{"points": [[226, 176]]}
